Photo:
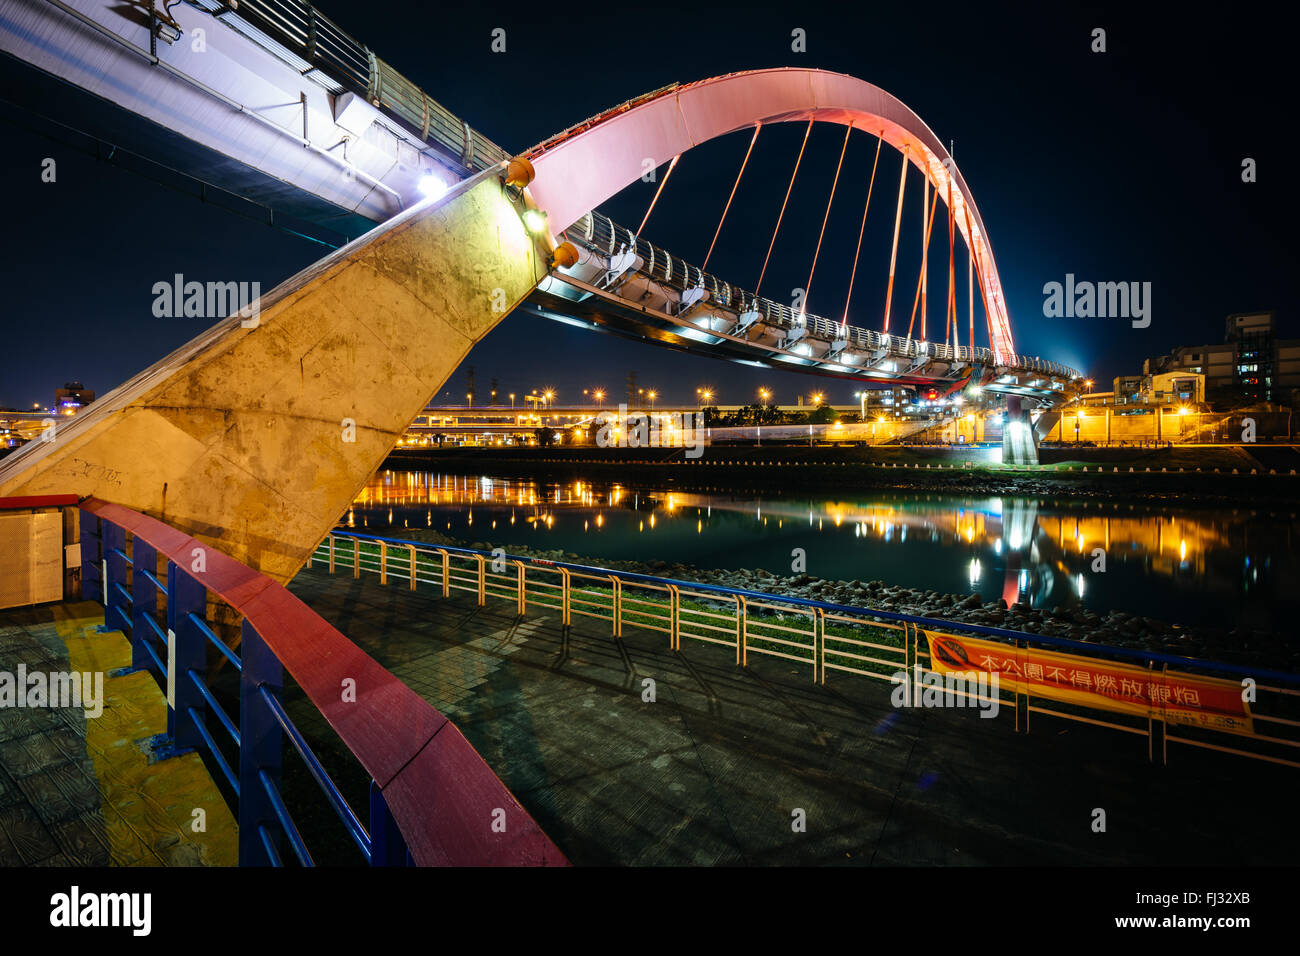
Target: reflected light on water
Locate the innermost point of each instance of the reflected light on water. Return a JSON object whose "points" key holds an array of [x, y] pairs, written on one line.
{"points": [[1036, 550]]}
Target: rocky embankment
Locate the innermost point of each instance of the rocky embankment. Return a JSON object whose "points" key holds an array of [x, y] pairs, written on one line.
{"points": [[1115, 628]]}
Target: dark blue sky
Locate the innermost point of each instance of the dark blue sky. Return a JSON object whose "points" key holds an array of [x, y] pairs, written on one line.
{"points": [[1123, 166]]}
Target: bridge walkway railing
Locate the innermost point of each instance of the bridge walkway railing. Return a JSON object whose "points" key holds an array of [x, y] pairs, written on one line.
{"points": [[171, 594], [1252, 712], [601, 234]]}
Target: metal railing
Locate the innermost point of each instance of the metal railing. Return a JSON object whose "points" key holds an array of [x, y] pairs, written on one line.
{"points": [[300, 35], [602, 235], [166, 619], [824, 637]]}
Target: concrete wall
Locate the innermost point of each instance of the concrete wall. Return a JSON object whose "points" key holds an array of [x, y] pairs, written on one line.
{"points": [[241, 437], [1103, 425]]}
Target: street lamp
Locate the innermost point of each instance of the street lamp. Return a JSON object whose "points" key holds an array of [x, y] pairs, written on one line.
{"points": [[862, 404], [652, 395], [817, 398], [764, 394]]}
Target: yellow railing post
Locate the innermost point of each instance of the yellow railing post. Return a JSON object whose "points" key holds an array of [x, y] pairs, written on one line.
{"points": [[616, 608], [739, 599], [564, 596], [482, 580], [674, 624], [522, 587], [910, 659], [383, 562], [414, 563], [332, 540], [356, 558], [446, 573], [819, 646]]}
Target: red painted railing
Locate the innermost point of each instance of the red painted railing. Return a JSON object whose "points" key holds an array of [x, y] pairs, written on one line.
{"points": [[442, 795]]}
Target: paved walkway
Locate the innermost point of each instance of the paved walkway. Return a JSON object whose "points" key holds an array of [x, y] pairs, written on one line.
{"points": [[716, 768], [85, 791]]}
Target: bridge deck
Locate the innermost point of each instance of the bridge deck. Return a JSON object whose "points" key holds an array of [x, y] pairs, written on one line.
{"points": [[87, 791], [712, 771]]}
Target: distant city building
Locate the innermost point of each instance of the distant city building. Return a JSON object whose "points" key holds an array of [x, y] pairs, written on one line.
{"points": [[1252, 361], [71, 398], [1127, 390], [1173, 388]]}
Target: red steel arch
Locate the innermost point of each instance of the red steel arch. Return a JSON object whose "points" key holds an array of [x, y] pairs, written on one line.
{"points": [[582, 167]]}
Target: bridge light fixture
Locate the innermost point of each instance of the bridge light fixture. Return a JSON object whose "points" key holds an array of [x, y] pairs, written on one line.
{"points": [[565, 255], [535, 221], [434, 187], [519, 172]]}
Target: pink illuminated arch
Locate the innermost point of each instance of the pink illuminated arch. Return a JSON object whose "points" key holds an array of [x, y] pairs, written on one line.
{"points": [[582, 167]]}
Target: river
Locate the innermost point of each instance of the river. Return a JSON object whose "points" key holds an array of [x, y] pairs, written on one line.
{"points": [[1223, 567]]}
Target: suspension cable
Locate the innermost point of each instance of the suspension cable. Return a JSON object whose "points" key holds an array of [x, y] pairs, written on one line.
{"points": [[662, 183], [927, 222], [861, 229], [950, 310], [797, 161], [898, 221], [970, 298], [807, 289], [979, 274], [921, 278], [734, 187]]}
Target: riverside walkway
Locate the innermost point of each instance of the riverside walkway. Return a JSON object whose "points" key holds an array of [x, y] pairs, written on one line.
{"points": [[714, 770]]}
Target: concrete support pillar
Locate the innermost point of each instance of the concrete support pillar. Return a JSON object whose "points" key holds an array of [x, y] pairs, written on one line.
{"points": [[258, 434], [1019, 440]]}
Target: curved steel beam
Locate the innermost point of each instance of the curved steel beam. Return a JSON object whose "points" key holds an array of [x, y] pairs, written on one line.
{"points": [[582, 167]]}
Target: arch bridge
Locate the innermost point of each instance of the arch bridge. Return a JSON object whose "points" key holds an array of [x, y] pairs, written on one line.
{"points": [[258, 433]]}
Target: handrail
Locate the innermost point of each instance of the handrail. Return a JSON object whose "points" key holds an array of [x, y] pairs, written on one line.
{"points": [[400, 739], [1087, 647], [849, 639], [599, 233]]}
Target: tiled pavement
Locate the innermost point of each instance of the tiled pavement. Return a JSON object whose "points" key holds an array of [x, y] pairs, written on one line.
{"points": [[50, 811], [713, 771], [79, 791]]}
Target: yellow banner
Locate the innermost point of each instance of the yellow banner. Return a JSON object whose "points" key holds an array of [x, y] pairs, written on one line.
{"points": [[1174, 696]]}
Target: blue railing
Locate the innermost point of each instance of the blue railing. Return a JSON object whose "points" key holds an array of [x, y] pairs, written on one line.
{"points": [[178, 636], [869, 642]]}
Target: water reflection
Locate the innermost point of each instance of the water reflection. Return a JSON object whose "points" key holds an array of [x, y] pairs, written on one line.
{"points": [[1220, 566]]}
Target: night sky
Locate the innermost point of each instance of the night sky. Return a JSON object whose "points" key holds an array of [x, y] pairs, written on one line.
{"points": [[1122, 166]]}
